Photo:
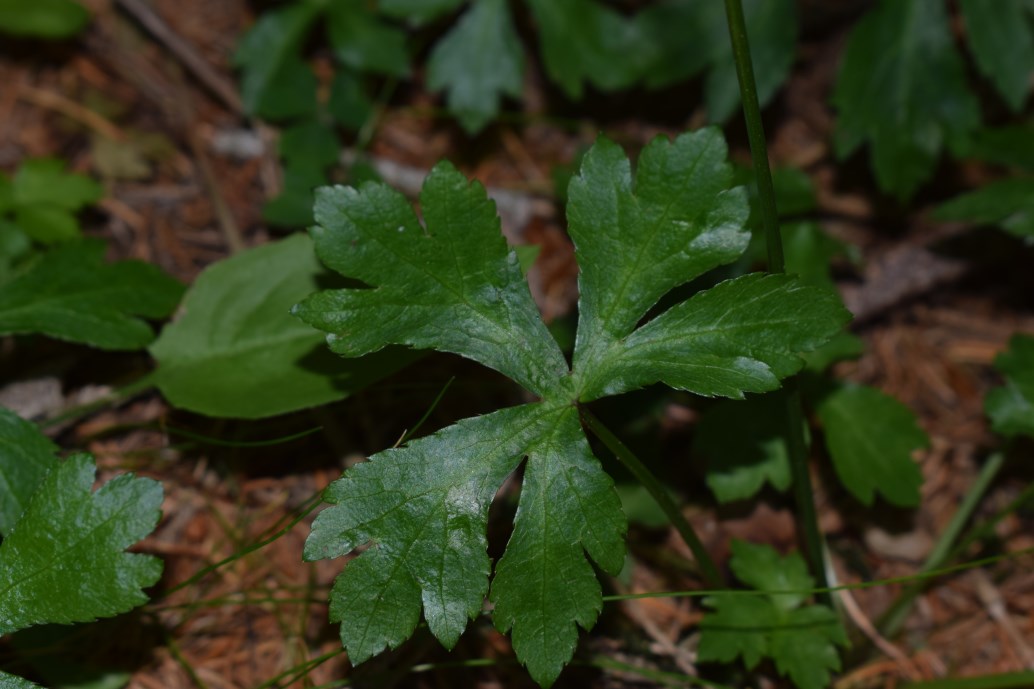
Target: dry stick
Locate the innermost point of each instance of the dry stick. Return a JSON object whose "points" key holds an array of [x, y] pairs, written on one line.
{"points": [[72, 110], [797, 448], [184, 52]]}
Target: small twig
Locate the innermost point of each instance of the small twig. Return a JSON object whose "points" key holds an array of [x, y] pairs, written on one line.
{"points": [[866, 626], [992, 601], [72, 110], [184, 52]]}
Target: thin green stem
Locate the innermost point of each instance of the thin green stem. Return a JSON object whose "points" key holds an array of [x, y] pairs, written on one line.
{"points": [[755, 133], [895, 616], [793, 417], [708, 569]]}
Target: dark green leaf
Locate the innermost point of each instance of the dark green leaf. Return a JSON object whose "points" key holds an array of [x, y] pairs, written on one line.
{"points": [[801, 640], [425, 506], [1011, 407], [309, 145], [841, 346], [743, 335], [276, 83], [293, 206], [1001, 37], [64, 561], [871, 437], [417, 11], [678, 219], [42, 18], [902, 89], [809, 251], [364, 43], [1007, 203], [26, 455], [349, 104], [743, 444], [683, 37], [453, 286], [71, 294], [478, 62], [584, 41], [1010, 145], [255, 359]]}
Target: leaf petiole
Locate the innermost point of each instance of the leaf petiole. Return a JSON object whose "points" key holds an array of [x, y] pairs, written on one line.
{"points": [[708, 570]]}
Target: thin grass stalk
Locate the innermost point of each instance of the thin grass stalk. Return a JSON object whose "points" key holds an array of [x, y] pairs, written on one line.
{"points": [[807, 519], [891, 621]]}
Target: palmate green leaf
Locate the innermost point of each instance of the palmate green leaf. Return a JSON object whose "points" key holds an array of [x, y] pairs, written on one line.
{"points": [[70, 293], [1011, 407], [26, 455], [902, 89], [871, 437], [42, 18], [255, 359], [1007, 203], [801, 640], [477, 62], [453, 285], [64, 562], [1001, 37]]}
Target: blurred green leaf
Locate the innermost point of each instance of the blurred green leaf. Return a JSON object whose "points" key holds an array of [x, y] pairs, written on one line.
{"points": [[478, 62], [275, 83], [871, 437], [42, 18], [70, 293], [1011, 407], [1009, 145], [682, 38], [801, 639], [348, 103], [1001, 37], [902, 90], [742, 442], [584, 41], [363, 42], [1007, 203], [418, 11], [236, 351]]}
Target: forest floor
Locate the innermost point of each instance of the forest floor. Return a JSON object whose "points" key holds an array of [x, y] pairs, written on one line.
{"points": [[934, 304]]}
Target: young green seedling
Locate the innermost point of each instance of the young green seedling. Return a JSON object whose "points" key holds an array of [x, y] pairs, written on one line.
{"points": [[452, 284]]}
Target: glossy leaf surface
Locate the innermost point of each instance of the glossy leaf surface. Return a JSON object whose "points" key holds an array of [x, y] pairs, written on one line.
{"points": [[64, 562], [451, 283], [26, 456]]}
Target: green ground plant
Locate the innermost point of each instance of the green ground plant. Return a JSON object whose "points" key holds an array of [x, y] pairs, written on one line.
{"points": [[375, 279]]}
